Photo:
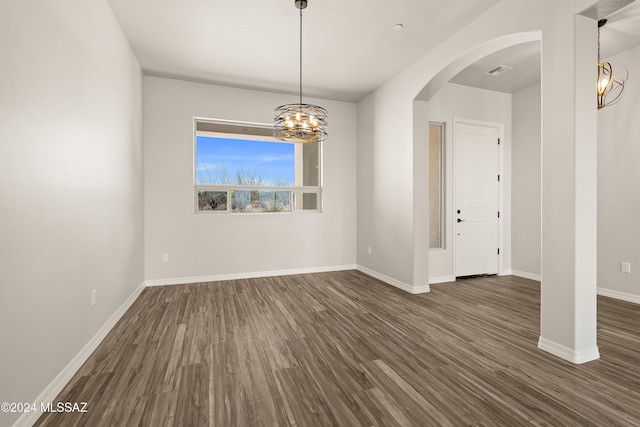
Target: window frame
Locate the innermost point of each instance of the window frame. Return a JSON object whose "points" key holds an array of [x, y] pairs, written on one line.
{"points": [[442, 186], [293, 190]]}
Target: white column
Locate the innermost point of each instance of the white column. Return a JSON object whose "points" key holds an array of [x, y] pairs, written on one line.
{"points": [[569, 191]]}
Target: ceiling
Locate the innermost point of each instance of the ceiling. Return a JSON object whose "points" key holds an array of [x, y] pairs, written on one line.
{"points": [[524, 59], [621, 32], [350, 47]]}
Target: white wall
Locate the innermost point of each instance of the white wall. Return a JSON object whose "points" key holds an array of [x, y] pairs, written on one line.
{"points": [[387, 130], [526, 182], [385, 188], [201, 245], [618, 182], [71, 185], [462, 102], [389, 144]]}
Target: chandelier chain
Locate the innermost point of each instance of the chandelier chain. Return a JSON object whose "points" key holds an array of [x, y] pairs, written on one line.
{"points": [[301, 55], [598, 44]]}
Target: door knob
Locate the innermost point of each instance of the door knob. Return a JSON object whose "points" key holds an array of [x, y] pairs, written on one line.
{"points": [[460, 220]]}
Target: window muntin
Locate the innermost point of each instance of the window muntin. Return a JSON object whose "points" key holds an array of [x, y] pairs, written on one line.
{"points": [[241, 168]]}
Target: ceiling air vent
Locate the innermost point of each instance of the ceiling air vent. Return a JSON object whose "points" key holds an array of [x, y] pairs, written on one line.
{"points": [[499, 70]]}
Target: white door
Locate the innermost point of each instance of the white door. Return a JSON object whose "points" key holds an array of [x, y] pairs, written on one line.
{"points": [[476, 199]]}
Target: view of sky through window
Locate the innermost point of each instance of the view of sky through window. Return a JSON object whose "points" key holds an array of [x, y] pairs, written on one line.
{"points": [[243, 162]]}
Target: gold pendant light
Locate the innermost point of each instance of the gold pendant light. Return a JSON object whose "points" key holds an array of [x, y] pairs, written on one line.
{"points": [[300, 122], [610, 87]]}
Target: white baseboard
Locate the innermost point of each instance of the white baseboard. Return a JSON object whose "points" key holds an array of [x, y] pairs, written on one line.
{"points": [[569, 354], [619, 295], [441, 279], [62, 379], [420, 289], [526, 275], [251, 275], [505, 273]]}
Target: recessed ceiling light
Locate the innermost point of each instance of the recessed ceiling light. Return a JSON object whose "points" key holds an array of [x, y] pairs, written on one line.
{"points": [[398, 27]]}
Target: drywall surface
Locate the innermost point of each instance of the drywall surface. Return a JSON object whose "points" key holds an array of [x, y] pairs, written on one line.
{"points": [[618, 180], [455, 101], [386, 129], [385, 189], [71, 185], [209, 245], [526, 181]]}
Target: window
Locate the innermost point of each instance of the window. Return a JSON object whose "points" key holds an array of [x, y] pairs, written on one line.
{"points": [[241, 168], [436, 185]]}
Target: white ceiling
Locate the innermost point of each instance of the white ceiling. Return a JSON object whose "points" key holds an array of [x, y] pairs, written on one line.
{"points": [[350, 47], [523, 58], [621, 32]]}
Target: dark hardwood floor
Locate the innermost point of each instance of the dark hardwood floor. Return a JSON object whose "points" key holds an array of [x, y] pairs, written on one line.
{"points": [[343, 349]]}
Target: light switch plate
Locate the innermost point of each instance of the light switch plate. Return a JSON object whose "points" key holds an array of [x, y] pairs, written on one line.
{"points": [[625, 267]]}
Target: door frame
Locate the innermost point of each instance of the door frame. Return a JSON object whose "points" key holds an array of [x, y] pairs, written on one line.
{"points": [[501, 222]]}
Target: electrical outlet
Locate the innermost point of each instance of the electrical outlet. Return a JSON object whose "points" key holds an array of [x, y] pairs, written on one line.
{"points": [[369, 250], [165, 257], [625, 267], [94, 297]]}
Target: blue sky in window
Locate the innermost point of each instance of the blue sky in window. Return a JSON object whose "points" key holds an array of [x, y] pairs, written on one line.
{"points": [[220, 159]]}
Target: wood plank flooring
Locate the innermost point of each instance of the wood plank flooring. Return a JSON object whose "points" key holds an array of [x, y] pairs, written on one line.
{"points": [[343, 349]]}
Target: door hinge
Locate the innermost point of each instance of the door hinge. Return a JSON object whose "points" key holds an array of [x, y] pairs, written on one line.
{"points": [[498, 178], [498, 141], [498, 214], [498, 251]]}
